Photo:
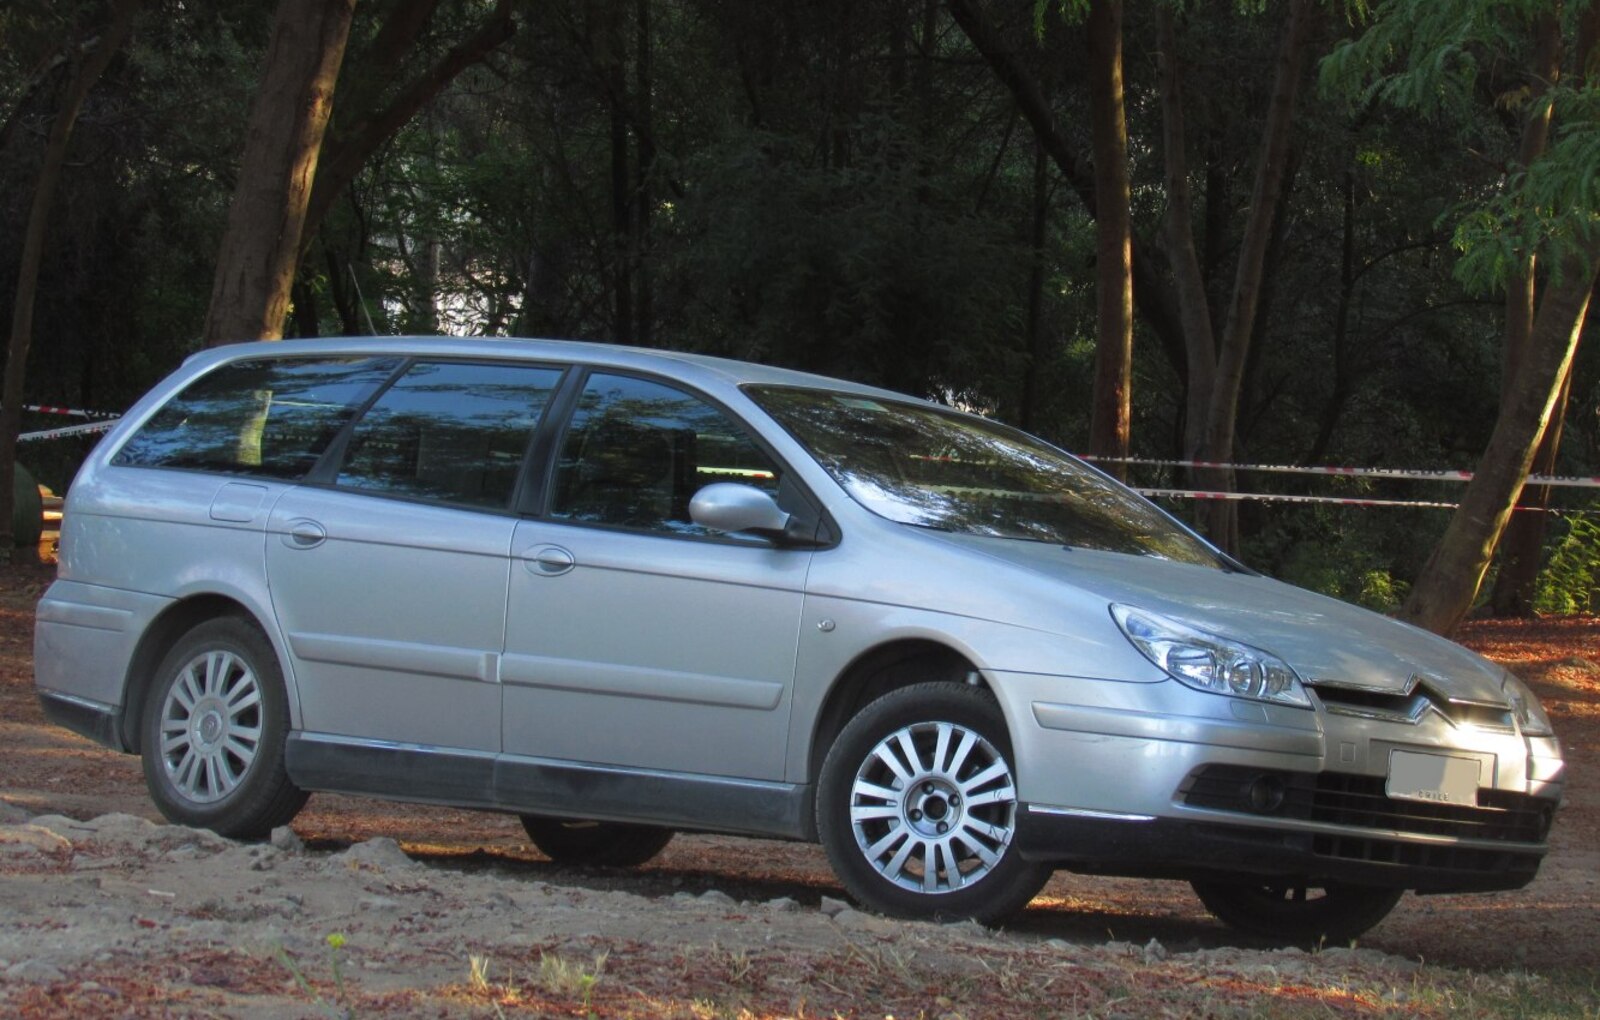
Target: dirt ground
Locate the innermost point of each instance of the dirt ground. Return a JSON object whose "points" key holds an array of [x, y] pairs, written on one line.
{"points": [[372, 909]]}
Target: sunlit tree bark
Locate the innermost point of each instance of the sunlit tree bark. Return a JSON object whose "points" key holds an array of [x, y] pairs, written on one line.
{"points": [[1450, 580], [261, 245], [1454, 573], [1524, 538], [1110, 421]]}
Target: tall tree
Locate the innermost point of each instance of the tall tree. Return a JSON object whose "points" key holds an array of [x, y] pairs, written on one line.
{"points": [[87, 61], [384, 84], [283, 141], [1111, 422], [1239, 326], [1523, 543], [1546, 212], [1214, 372]]}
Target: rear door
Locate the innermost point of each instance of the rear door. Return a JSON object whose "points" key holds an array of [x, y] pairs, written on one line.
{"points": [[389, 580]]}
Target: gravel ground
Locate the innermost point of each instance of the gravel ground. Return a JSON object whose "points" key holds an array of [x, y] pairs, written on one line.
{"points": [[389, 910]]}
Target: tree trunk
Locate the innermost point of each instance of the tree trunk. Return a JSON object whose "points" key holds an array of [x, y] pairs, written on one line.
{"points": [[1339, 393], [1153, 299], [1222, 521], [1450, 580], [1200, 343], [94, 62], [348, 149], [645, 150], [1033, 380], [1110, 422], [261, 245], [1523, 544]]}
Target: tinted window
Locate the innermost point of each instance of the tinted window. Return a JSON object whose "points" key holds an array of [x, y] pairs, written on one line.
{"points": [[637, 451], [271, 417], [922, 465], [450, 432]]}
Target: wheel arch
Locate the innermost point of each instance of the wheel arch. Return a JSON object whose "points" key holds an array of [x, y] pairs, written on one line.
{"points": [[164, 631], [872, 674]]}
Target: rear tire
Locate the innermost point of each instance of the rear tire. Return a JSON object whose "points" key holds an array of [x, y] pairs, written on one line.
{"points": [[1287, 911], [609, 844], [213, 730], [917, 807]]}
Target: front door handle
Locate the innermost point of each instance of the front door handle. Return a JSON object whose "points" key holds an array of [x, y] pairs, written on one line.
{"points": [[549, 560]]}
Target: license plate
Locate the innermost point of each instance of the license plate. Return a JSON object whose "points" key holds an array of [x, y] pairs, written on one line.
{"points": [[1437, 778]]}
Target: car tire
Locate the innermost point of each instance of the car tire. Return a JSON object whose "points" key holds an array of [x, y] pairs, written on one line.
{"points": [[917, 807], [213, 730], [1297, 913], [608, 844]]}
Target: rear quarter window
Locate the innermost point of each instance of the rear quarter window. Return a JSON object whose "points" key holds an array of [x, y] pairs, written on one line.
{"points": [[267, 417]]}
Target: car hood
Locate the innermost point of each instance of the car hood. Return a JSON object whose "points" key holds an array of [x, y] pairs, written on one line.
{"points": [[1325, 640]]}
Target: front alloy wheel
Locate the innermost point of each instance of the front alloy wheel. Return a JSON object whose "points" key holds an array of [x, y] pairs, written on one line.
{"points": [[918, 807]]}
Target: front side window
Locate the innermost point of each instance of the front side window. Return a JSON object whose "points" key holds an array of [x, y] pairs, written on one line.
{"points": [[637, 451], [267, 417], [925, 466], [453, 433]]}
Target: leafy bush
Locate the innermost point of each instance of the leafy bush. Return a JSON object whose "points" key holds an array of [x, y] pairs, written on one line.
{"points": [[1570, 581]]}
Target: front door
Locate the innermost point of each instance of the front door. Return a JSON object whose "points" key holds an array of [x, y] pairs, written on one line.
{"points": [[634, 637]]}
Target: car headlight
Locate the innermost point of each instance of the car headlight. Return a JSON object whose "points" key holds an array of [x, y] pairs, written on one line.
{"points": [[1208, 662], [1525, 708]]}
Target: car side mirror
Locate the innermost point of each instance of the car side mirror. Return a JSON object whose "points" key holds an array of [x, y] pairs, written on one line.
{"points": [[732, 507]]}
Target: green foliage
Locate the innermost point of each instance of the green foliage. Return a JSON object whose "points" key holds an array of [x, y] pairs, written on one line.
{"points": [[1570, 581], [1427, 56], [1549, 210], [1441, 61], [1360, 556]]}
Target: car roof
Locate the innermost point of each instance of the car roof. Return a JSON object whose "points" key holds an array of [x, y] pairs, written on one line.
{"points": [[692, 368]]}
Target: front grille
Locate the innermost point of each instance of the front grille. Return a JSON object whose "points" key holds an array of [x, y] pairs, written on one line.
{"points": [[1410, 705], [1360, 802]]}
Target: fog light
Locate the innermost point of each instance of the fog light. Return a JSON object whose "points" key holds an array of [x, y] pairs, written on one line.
{"points": [[1266, 794]]}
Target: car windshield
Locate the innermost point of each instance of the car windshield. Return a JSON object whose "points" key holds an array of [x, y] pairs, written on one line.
{"points": [[933, 468]]}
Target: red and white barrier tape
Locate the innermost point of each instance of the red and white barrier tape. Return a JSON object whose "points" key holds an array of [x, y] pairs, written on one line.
{"points": [[1449, 475], [1267, 497], [75, 412], [1262, 497], [70, 430]]}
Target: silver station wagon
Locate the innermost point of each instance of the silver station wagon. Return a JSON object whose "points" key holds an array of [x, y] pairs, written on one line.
{"points": [[622, 593]]}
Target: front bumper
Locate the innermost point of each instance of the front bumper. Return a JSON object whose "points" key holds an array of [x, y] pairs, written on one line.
{"points": [[1158, 780], [1171, 848]]}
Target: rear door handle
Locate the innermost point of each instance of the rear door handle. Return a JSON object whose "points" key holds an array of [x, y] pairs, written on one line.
{"points": [[304, 533]]}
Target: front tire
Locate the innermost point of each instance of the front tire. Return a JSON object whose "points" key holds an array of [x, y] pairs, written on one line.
{"points": [[213, 730], [609, 844], [1288, 911], [917, 807]]}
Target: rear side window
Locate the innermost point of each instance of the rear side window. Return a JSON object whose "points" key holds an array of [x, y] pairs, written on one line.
{"points": [[268, 417], [453, 433]]}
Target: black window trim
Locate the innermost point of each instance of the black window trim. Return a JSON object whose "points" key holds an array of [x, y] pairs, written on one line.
{"points": [[325, 474], [111, 457], [552, 438]]}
